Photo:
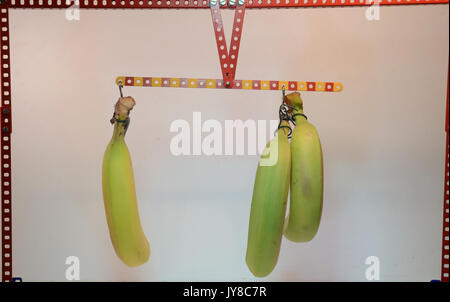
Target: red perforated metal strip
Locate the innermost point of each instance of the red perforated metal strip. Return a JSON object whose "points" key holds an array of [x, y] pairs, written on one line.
{"points": [[445, 231], [222, 48], [155, 4], [228, 59], [6, 192], [236, 40]]}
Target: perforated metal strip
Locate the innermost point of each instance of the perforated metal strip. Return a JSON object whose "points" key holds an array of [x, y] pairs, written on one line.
{"points": [[445, 227], [228, 59], [445, 233], [205, 3], [5, 148], [237, 84]]}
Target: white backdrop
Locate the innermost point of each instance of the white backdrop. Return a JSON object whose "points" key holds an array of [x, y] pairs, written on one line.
{"points": [[382, 137]]}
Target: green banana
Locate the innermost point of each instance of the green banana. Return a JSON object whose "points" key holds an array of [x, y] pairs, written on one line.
{"points": [[306, 193], [119, 194], [269, 203]]}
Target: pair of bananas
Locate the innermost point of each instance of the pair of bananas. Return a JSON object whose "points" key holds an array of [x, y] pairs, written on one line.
{"points": [[298, 165]]}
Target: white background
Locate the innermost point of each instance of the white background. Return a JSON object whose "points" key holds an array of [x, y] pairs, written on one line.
{"points": [[382, 137]]}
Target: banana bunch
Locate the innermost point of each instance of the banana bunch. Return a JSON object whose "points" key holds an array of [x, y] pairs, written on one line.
{"points": [[119, 193], [298, 165]]}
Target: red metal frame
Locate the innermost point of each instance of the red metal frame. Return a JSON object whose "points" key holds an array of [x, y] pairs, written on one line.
{"points": [[228, 73]]}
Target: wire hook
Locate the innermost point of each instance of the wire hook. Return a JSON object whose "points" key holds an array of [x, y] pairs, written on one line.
{"points": [[126, 121], [284, 114], [120, 88]]}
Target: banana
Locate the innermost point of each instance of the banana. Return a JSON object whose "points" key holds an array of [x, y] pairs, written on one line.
{"points": [[268, 207], [119, 194], [306, 193]]}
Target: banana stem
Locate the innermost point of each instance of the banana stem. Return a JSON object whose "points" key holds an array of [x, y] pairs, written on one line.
{"points": [[298, 118], [294, 100], [121, 114], [119, 131]]}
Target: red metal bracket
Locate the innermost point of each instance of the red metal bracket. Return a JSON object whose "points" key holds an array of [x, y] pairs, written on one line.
{"points": [[228, 59], [5, 152]]}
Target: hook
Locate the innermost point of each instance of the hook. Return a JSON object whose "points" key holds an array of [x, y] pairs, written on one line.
{"points": [[125, 122], [120, 88], [283, 103], [284, 114]]}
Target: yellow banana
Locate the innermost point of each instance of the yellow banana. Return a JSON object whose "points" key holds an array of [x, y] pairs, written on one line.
{"points": [[306, 195], [119, 193], [268, 207]]}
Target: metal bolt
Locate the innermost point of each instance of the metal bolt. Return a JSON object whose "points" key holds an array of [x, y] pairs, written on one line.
{"points": [[5, 111], [212, 2], [5, 129]]}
